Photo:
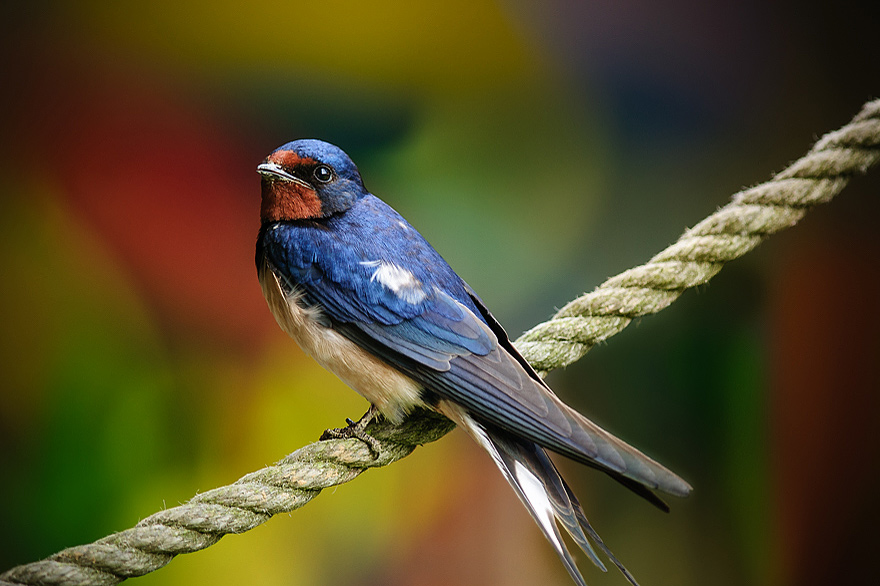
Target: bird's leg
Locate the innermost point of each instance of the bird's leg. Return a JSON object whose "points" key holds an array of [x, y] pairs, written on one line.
{"points": [[357, 430]]}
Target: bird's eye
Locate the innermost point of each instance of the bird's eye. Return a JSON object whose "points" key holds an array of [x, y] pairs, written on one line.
{"points": [[323, 173]]}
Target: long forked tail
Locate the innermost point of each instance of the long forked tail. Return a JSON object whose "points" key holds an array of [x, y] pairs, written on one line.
{"points": [[542, 490]]}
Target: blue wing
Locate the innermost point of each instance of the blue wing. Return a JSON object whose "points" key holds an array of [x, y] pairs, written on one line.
{"points": [[385, 288], [385, 280]]}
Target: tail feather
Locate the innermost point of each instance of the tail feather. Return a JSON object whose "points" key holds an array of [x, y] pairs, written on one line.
{"points": [[585, 523], [542, 490]]}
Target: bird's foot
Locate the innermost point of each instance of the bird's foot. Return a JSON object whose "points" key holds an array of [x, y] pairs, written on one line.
{"points": [[357, 429]]}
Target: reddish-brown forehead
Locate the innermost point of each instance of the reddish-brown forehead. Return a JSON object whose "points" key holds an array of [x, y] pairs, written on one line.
{"points": [[290, 159]]}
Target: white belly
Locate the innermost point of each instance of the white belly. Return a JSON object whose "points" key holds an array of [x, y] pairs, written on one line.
{"points": [[392, 392]]}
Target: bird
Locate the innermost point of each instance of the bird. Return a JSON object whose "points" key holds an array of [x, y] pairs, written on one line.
{"points": [[366, 296]]}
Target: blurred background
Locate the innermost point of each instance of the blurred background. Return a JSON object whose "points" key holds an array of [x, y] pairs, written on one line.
{"points": [[541, 147]]}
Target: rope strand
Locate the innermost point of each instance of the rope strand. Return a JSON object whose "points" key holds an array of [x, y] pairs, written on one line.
{"points": [[696, 257]]}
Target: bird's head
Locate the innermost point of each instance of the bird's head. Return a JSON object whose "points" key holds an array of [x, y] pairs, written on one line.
{"points": [[308, 179]]}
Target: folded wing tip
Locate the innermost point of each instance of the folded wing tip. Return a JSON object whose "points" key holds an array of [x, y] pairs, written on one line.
{"points": [[675, 485]]}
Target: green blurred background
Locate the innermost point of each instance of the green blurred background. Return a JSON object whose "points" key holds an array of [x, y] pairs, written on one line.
{"points": [[541, 147]]}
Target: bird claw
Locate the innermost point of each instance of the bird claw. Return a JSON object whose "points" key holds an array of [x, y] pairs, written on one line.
{"points": [[357, 430]]}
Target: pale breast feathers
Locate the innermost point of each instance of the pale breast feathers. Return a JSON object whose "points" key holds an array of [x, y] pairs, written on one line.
{"points": [[392, 392]]}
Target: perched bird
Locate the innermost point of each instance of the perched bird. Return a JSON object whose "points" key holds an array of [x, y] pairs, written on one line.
{"points": [[370, 300]]}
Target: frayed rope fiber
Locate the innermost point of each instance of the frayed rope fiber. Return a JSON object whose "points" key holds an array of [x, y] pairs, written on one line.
{"points": [[732, 231]]}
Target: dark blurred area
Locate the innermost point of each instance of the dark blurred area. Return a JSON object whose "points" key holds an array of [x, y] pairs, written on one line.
{"points": [[541, 147]]}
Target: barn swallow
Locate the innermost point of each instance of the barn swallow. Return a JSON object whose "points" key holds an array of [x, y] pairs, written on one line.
{"points": [[364, 294]]}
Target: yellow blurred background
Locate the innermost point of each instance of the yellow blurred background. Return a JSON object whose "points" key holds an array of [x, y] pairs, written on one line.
{"points": [[541, 147]]}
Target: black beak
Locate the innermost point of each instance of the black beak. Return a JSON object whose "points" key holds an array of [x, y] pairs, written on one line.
{"points": [[274, 172]]}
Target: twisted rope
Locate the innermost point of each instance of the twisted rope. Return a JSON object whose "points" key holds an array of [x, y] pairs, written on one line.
{"points": [[695, 258], [241, 506], [698, 255]]}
